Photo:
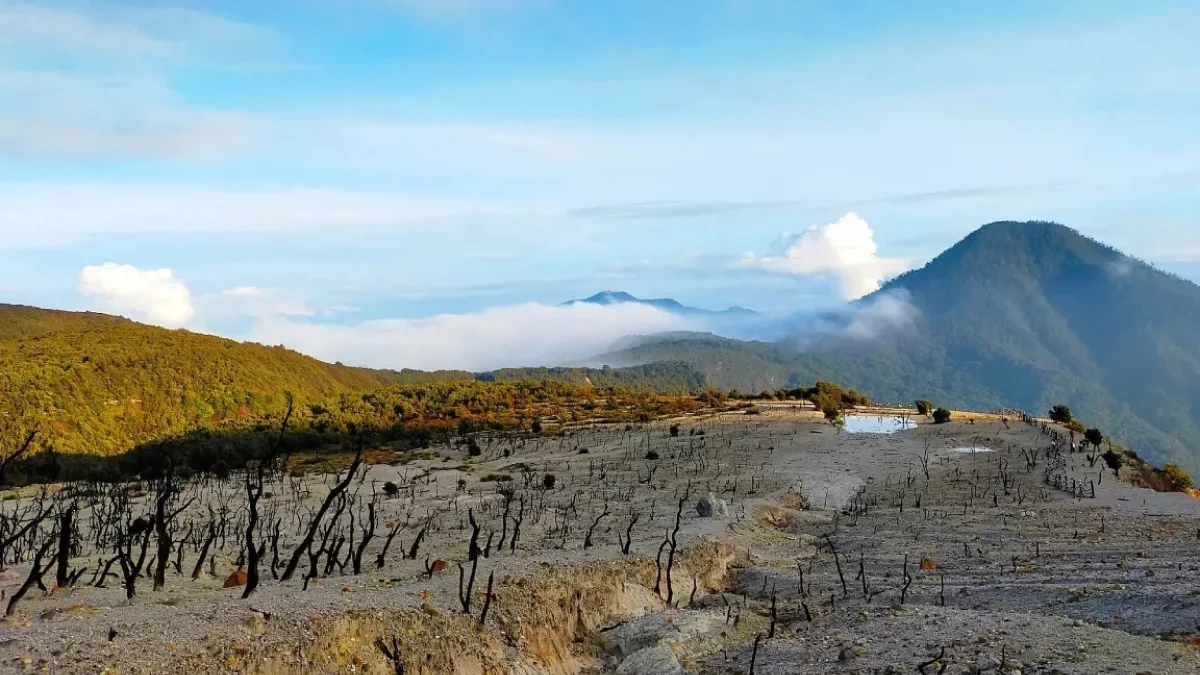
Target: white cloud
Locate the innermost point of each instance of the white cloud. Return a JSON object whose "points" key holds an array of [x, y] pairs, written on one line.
{"points": [[155, 296], [886, 314], [96, 82], [251, 301], [844, 249], [518, 335]]}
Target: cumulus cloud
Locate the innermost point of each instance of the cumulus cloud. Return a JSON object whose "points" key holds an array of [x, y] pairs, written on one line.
{"points": [[155, 296], [517, 335], [844, 249]]}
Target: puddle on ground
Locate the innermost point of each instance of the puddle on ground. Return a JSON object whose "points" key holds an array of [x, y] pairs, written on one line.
{"points": [[877, 424], [971, 451]]}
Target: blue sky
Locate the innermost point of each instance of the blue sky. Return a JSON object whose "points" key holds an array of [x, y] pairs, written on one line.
{"points": [[331, 173]]}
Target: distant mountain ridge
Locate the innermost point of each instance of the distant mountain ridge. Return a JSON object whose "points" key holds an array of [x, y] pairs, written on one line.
{"points": [[1024, 314], [665, 304]]}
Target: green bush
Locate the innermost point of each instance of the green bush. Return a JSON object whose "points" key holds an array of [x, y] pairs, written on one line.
{"points": [[1061, 414], [1179, 476], [924, 407], [941, 416]]}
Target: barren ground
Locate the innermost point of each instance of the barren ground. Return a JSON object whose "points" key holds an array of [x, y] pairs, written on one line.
{"points": [[1004, 572]]}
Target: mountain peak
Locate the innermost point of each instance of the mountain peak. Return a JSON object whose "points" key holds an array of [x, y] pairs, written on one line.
{"points": [[665, 304]]}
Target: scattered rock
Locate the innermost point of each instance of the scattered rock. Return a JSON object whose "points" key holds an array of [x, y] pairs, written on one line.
{"points": [[256, 623], [238, 578], [712, 507]]}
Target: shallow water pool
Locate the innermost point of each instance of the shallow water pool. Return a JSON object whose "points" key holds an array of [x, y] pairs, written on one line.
{"points": [[877, 424], [971, 451]]}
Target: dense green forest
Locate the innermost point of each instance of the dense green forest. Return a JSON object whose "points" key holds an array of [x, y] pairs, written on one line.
{"points": [[97, 384]]}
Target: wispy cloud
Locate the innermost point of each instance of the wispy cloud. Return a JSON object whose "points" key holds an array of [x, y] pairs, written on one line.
{"points": [[96, 81], [659, 210], [37, 213]]}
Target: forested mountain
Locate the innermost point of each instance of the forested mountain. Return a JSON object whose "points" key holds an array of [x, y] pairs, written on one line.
{"points": [[99, 384], [1024, 314]]}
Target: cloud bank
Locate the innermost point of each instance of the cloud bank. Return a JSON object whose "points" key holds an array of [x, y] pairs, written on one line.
{"points": [[518, 335], [155, 296], [844, 250]]}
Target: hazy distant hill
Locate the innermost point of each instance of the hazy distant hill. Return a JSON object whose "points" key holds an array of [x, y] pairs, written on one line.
{"points": [[665, 304], [1017, 314]]}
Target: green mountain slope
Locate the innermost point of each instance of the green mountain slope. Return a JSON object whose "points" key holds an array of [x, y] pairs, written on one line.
{"points": [[1017, 314], [101, 384]]}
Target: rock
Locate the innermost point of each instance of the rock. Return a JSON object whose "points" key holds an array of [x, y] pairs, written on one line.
{"points": [[238, 578], [438, 566], [672, 627], [657, 660], [851, 653], [256, 623], [711, 507]]}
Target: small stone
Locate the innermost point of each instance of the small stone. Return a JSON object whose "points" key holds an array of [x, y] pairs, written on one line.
{"points": [[256, 623], [238, 578], [711, 507]]}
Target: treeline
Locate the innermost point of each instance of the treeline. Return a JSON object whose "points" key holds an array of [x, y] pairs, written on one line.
{"points": [[824, 395], [396, 418], [674, 377], [102, 385]]}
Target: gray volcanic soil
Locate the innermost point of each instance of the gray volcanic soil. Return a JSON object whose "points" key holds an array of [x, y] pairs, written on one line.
{"points": [[1020, 577]]}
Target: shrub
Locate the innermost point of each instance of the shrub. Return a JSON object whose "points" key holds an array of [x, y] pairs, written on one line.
{"points": [[941, 416], [1061, 414], [1076, 426], [924, 407], [473, 448], [391, 489], [832, 412], [1094, 437], [674, 430], [496, 478], [548, 481], [1114, 460], [652, 455], [1179, 476], [536, 427]]}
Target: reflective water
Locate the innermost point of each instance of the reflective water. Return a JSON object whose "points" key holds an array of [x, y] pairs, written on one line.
{"points": [[972, 451], [877, 424]]}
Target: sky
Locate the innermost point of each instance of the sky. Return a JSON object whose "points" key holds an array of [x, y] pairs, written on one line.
{"points": [[421, 183]]}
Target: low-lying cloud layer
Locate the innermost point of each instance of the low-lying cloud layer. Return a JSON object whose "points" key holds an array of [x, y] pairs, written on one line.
{"points": [[844, 250], [155, 296], [517, 335]]}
